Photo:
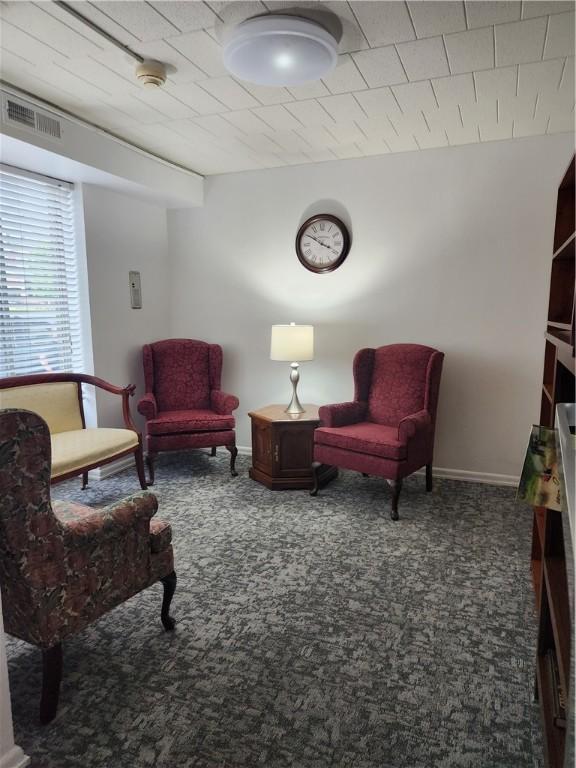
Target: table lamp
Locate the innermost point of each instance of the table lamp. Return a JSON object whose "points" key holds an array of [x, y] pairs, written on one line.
{"points": [[290, 343]]}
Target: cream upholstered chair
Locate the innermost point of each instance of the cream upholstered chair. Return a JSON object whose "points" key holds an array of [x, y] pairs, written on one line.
{"points": [[76, 449]]}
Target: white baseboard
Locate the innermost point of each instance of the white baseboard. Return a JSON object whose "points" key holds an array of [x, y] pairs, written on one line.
{"points": [[466, 475]]}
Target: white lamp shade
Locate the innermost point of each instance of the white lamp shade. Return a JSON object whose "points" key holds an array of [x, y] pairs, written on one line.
{"points": [[292, 343], [278, 50]]}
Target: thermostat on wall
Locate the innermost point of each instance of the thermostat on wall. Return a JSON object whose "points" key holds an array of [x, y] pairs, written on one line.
{"points": [[135, 290]]}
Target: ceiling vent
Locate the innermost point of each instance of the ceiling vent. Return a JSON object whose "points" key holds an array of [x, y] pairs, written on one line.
{"points": [[26, 115]]}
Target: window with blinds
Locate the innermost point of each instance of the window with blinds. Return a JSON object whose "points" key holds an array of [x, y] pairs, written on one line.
{"points": [[40, 327]]}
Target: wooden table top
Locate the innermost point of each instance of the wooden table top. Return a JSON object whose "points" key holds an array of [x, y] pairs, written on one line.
{"points": [[278, 413]]}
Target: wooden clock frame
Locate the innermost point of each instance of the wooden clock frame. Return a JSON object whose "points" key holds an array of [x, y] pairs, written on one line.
{"points": [[345, 243]]}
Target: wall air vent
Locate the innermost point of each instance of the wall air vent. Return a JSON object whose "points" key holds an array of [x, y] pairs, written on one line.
{"points": [[26, 115]]}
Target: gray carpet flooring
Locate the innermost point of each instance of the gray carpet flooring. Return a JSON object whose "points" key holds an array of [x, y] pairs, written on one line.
{"points": [[312, 633]]}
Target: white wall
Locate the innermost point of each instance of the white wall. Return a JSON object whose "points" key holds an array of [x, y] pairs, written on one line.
{"points": [[123, 234], [451, 248]]}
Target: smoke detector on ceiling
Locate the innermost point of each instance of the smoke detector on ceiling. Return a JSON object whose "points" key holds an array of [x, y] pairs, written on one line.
{"points": [[152, 74]]}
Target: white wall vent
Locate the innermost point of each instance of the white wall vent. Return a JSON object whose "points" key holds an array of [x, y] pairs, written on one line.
{"points": [[26, 115]]}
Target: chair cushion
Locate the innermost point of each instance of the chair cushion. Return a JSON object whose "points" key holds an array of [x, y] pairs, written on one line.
{"points": [[364, 437], [69, 511], [55, 401], [201, 420], [80, 448]]}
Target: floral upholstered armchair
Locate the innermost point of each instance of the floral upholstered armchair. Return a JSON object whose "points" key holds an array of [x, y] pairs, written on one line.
{"points": [[184, 406], [388, 429], [63, 565]]}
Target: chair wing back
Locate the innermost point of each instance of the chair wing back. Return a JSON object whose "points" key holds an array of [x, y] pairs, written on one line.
{"points": [[30, 534], [182, 372], [405, 380]]}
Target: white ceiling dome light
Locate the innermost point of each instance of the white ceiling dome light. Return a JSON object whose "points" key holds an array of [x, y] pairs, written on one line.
{"points": [[279, 50], [152, 74]]}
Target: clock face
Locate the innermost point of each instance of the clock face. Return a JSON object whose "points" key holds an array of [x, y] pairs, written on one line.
{"points": [[322, 243]]}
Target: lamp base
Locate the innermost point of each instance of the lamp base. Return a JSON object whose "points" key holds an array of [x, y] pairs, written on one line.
{"points": [[295, 406]]}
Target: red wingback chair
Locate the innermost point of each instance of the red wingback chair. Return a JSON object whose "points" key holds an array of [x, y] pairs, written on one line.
{"points": [[388, 430], [184, 406], [63, 565]]}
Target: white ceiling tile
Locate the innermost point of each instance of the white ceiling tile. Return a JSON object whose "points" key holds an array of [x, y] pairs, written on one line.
{"points": [[247, 122], [470, 51], [237, 11], [448, 119], [20, 43], [195, 134], [377, 127], [457, 89], [342, 107], [309, 90], [376, 146], [277, 117], [317, 136], [384, 22], [458, 134], [530, 127], [532, 8], [380, 66], [320, 155], [107, 79], [522, 108], [414, 97], [424, 59], [403, 143], [345, 77], [483, 13], [267, 95], [90, 11], [216, 126], [485, 111], [132, 107], [378, 102], [560, 36], [229, 92], [171, 107], [493, 131], [202, 50], [539, 76], [309, 113], [290, 141], [346, 151], [520, 42], [180, 69], [140, 19], [561, 122], [437, 18], [496, 83], [185, 15], [260, 142], [415, 125], [197, 98], [34, 20], [346, 132], [72, 83]]}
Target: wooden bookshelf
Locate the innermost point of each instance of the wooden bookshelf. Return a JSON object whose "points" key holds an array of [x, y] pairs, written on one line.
{"points": [[551, 550]]}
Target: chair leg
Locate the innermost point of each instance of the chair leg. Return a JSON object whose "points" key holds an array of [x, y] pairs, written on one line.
{"points": [[150, 462], [396, 488], [428, 477], [140, 468], [51, 678], [213, 451], [315, 479], [84, 480], [169, 583], [233, 453], [365, 474]]}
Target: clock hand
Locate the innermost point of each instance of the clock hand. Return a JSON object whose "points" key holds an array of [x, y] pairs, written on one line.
{"points": [[322, 244]]}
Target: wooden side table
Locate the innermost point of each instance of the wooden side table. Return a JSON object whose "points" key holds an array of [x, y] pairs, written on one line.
{"points": [[282, 447]]}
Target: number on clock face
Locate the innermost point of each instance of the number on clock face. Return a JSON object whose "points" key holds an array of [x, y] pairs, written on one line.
{"points": [[322, 243]]}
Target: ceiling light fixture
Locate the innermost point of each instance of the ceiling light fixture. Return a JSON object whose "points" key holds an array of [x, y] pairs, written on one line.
{"points": [[279, 50]]}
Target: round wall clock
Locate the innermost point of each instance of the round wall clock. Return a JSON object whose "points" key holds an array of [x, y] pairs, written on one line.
{"points": [[322, 243]]}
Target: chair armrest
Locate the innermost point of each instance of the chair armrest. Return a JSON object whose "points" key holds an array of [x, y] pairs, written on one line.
{"points": [[342, 414], [419, 422], [147, 406], [112, 522], [125, 392], [222, 403]]}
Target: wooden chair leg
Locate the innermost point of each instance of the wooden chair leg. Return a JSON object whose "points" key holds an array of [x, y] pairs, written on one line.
{"points": [[150, 462], [169, 583], [51, 678], [315, 479], [396, 488], [84, 480], [233, 453], [140, 468], [213, 451], [428, 477]]}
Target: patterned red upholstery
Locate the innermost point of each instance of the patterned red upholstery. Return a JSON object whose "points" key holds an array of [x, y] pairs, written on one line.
{"points": [[63, 565], [184, 406], [388, 430]]}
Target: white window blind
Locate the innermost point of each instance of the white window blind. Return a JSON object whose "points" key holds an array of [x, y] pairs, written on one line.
{"points": [[40, 328]]}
